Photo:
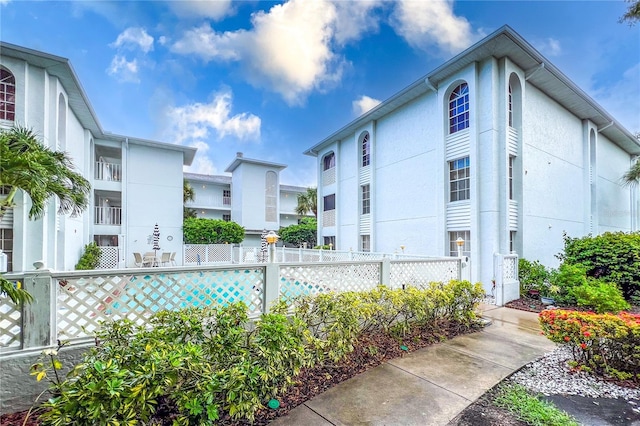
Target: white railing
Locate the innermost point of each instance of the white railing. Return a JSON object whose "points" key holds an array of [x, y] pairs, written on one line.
{"points": [[212, 254], [108, 171], [108, 215], [81, 300], [212, 201]]}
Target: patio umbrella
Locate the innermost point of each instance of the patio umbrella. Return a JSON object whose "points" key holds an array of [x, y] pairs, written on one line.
{"points": [[156, 239], [263, 246]]}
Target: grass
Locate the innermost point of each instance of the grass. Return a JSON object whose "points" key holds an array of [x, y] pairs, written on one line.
{"points": [[529, 408]]}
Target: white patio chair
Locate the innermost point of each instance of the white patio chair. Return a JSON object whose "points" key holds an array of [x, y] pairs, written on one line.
{"points": [[165, 259]]}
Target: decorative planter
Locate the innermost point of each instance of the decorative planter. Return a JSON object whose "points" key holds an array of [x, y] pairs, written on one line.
{"points": [[534, 294], [547, 300]]}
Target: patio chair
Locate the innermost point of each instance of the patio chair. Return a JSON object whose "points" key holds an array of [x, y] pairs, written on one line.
{"points": [[172, 259], [149, 259], [138, 260], [165, 259]]}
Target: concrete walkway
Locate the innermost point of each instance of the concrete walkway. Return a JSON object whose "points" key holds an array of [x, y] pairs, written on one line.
{"points": [[432, 385]]}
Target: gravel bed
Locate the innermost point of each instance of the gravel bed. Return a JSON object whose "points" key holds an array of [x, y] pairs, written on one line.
{"points": [[551, 375]]}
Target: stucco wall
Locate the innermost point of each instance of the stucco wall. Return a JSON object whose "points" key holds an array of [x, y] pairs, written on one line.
{"points": [[614, 202], [154, 195]]}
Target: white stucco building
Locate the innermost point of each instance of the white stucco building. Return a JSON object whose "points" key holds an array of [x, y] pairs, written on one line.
{"points": [[496, 146], [135, 183], [252, 196]]}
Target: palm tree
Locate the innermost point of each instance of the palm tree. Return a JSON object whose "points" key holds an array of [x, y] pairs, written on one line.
{"points": [[308, 202], [41, 173], [188, 194], [632, 176]]}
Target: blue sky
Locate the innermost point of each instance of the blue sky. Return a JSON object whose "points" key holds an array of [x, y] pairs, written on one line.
{"points": [[271, 79]]}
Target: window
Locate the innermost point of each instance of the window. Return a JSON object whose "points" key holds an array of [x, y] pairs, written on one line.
{"points": [[330, 240], [512, 159], [453, 243], [459, 108], [271, 200], [366, 199], [329, 161], [512, 241], [226, 197], [5, 189], [459, 181], [7, 95], [510, 108], [329, 202], [6, 245], [226, 217], [366, 151], [365, 243]]}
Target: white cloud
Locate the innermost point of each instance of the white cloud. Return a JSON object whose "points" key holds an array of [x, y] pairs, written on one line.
{"points": [[134, 37], [550, 47], [3, 2], [424, 23], [123, 70], [354, 18], [363, 104], [206, 43], [621, 98], [288, 50], [214, 9], [202, 163], [195, 122]]}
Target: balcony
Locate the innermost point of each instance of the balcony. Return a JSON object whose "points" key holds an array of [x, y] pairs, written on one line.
{"points": [[108, 171], [210, 202], [108, 215]]}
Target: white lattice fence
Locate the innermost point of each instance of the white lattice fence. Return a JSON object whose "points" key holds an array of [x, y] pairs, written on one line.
{"points": [[422, 272], [10, 320], [510, 268], [202, 254], [83, 302], [108, 258], [312, 279]]}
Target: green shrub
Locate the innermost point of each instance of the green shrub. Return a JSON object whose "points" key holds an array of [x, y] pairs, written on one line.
{"points": [[601, 296], [532, 276], [564, 280], [203, 363], [90, 259], [614, 256], [604, 344], [305, 232], [211, 231]]}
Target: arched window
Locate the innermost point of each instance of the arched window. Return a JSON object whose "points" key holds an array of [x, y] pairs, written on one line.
{"points": [[271, 194], [329, 161], [62, 123], [366, 150], [7, 95], [510, 107], [459, 108]]}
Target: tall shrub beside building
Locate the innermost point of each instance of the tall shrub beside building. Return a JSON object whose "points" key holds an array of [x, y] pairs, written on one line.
{"points": [[212, 231], [614, 256]]}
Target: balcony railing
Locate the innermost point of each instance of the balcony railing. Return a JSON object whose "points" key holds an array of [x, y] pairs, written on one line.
{"points": [[210, 201], [108, 171], [108, 215]]}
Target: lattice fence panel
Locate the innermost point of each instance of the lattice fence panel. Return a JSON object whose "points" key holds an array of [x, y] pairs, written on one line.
{"points": [[308, 280], [10, 323], [84, 302], [510, 268], [108, 258], [420, 273], [195, 253], [219, 253]]}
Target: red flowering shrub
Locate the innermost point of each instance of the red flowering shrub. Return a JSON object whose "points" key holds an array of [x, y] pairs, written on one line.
{"points": [[606, 344]]}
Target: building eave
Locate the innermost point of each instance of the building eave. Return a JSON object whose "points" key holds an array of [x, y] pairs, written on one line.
{"points": [[504, 42]]}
